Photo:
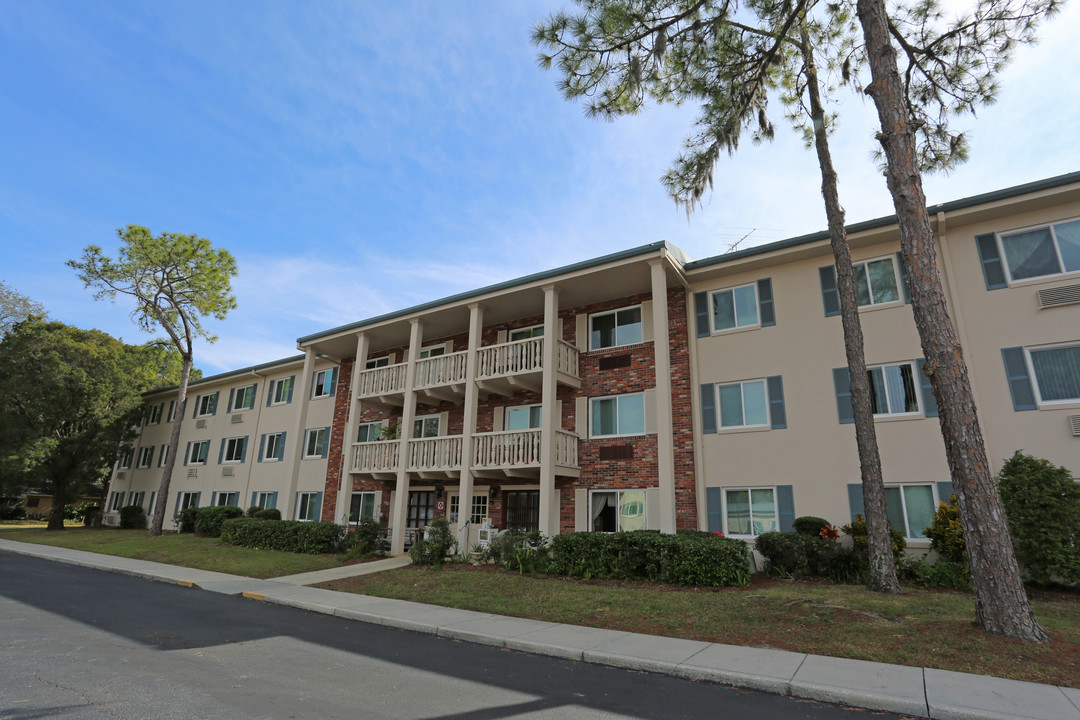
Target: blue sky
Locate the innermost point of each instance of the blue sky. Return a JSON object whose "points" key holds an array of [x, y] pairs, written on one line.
{"points": [[358, 158]]}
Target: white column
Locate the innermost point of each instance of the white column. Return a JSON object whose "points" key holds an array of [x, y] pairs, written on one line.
{"points": [[468, 428], [304, 393], [344, 496], [665, 443], [549, 506], [401, 497]]}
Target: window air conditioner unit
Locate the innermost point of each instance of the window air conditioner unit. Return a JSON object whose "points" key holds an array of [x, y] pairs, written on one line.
{"points": [[1065, 295], [238, 418], [1074, 422], [227, 471], [121, 475], [200, 423], [192, 472]]}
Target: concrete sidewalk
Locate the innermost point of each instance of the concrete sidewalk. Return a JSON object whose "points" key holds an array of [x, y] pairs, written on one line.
{"points": [[919, 692]]}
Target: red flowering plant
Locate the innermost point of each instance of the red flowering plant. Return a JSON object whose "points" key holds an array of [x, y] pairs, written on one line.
{"points": [[830, 531]]}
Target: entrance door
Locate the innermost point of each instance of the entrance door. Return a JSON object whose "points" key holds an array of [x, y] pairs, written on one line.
{"points": [[421, 508], [522, 510]]}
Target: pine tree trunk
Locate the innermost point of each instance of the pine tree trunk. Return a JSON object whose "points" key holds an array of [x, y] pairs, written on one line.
{"points": [[1001, 605], [174, 445], [879, 540]]}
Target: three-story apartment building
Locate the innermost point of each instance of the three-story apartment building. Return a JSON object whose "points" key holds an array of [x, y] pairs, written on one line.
{"points": [[644, 389]]}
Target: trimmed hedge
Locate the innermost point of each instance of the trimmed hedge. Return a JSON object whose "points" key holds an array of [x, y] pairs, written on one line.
{"points": [[682, 559], [267, 514], [796, 555], [810, 525], [209, 519], [132, 517], [312, 538]]}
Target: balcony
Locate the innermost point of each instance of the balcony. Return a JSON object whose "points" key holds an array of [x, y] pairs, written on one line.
{"points": [[442, 378], [384, 386], [378, 459], [435, 457]]}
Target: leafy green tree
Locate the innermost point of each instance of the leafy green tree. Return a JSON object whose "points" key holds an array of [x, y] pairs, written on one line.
{"points": [[16, 307], [950, 69], [175, 280], [71, 398]]}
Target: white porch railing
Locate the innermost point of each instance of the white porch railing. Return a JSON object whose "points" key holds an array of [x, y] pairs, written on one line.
{"points": [[376, 456], [442, 369], [567, 357], [566, 449], [441, 453], [383, 381], [512, 448], [510, 358]]}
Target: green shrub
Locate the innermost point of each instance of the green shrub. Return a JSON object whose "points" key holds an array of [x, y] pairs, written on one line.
{"points": [[250, 512], [524, 552], [796, 555], [1042, 504], [857, 530], [943, 573], [267, 514], [12, 511], [132, 517], [367, 540], [186, 520], [434, 545], [947, 534], [91, 514], [311, 538], [208, 520], [682, 559], [810, 525]]}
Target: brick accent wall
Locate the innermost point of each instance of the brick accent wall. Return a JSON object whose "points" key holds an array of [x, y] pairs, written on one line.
{"points": [[334, 456]]}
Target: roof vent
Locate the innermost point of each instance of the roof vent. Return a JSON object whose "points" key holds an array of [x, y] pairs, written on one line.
{"points": [[1074, 422], [1064, 295]]}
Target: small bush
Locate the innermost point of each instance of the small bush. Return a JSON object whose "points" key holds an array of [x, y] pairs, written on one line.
{"points": [[947, 534], [12, 511], [1042, 504], [857, 530], [250, 512], [208, 520], [186, 520], [433, 547], [943, 573], [810, 525], [132, 517], [311, 538], [796, 555], [520, 551], [267, 514], [91, 514], [367, 540]]}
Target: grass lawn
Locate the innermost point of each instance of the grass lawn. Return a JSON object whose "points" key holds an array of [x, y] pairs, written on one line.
{"points": [[184, 549], [929, 628]]}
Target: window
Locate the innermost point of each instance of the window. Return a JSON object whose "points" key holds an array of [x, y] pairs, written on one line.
{"points": [[233, 450], [264, 500], [125, 458], [281, 391], [33, 502], [479, 508], [164, 456], [432, 351], [426, 426], [1056, 371], [315, 443], [361, 507], [307, 506], [172, 410], [368, 432], [228, 498], [525, 417], [743, 404], [155, 414], [377, 362], [197, 452], [146, 457], [522, 510], [616, 510], [421, 508], [1047, 250], [152, 505], [735, 308], [273, 447], [910, 508], [750, 511], [876, 281], [185, 500], [615, 328], [244, 399], [324, 383], [893, 390], [206, 405], [619, 415], [136, 498], [526, 333], [116, 501]]}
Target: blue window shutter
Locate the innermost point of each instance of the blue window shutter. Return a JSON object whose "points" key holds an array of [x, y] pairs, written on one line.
{"points": [[213, 498], [701, 313], [221, 451], [232, 396], [262, 448], [708, 408], [993, 270], [829, 294], [270, 391], [944, 490], [842, 381], [318, 506], [766, 311], [714, 508], [333, 380], [176, 507], [1023, 396], [195, 410], [777, 414], [785, 507], [197, 496], [187, 454], [292, 384], [271, 502], [296, 507], [324, 446], [903, 277], [929, 402], [855, 500], [243, 449], [252, 499], [281, 448]]}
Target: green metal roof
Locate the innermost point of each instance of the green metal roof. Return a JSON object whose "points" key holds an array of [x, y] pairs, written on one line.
{"points": [[230, 373]]}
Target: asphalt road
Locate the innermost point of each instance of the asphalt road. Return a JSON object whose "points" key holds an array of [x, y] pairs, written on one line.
{"points": [[80, 643]]}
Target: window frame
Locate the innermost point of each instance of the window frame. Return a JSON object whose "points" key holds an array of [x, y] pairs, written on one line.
{"points": [[999, 239], [261, 498], [226, 493], [164, 456], [279, 393], [617, 434], [253, 389], [145, 457], [425, 352], [378, 362], [206, 405], [127, 456], [304, 500], [720, 427], [360, 515], [897, 279], [133, 496], [421, 419], [750, 497], [186, 499], [934, 501], [919, 410], [476, 514], [313, 434], [316, 383], [374, 424], [116, 501], [531, 329], [712, 307], [615, 312], [191, 452], [270, 447], [618, 492], [530, 407], [236, 445], [1035, 377], [156, 411]]}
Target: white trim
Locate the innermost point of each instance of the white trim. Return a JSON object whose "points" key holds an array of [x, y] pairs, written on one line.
{"points": [[1035, 379], [737, 327], [720, 427], [934, 501], [869, 288], [238, 444], [617, 344], [999, 238], [916, 384], [618, 504], [420, 419], [593, 400], [191, 452], [750, 501]]}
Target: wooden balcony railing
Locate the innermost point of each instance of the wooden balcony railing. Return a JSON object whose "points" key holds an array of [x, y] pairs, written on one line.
{"points": [[383, 381], [377, 456], [442, 369], [441, 453]]}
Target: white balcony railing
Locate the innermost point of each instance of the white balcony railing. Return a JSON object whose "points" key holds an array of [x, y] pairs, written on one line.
{"points": [[567, 360], [510, 358], [566, 449], [442, 453], [383, 381], [510, 448], [442, 369], [377, 456]]}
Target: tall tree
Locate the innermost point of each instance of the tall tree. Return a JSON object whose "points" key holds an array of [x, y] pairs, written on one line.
{"points": [[619, 53], [71, 398], [16, 307], [175, 280], [954, 68]]}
